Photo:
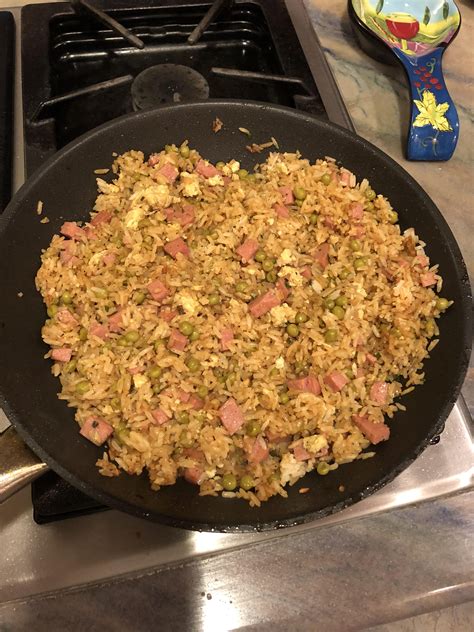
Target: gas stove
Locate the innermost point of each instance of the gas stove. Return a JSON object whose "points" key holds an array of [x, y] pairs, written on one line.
{"points": [[74, 73]]}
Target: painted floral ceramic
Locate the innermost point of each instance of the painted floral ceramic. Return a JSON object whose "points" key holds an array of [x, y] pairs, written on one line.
{"points": [[418, 32]]}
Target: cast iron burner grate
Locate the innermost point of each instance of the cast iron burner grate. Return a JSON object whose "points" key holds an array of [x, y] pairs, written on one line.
{"points": [[167, 84]]}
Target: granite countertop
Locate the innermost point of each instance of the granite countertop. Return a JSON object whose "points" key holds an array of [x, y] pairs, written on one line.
{"points": [[351, 575]]}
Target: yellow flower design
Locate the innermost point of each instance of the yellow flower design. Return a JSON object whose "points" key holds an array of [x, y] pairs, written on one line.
{"points": [[432, 113]]}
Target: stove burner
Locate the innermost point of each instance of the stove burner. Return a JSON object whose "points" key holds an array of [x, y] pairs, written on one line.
{"points": [[167, 83]]}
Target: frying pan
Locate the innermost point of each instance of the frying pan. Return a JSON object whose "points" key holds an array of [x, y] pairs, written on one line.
{"points": [[66, 185]]}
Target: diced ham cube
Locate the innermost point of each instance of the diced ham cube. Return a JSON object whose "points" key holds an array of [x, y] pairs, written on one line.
{"points": [[336, 381], [329, 223], [360, 372], [184, 216], [72, 230], [153, 160], [226, 336], [402, 262], [321, 254], [259, 451], [282, 211], [194, 475], [358, 232], [183, 396], [96, 430], [379, 392], [427, 279], [167, 314], [195, 402], [276, 438], [306, 272], [345, 178], [231, 416], [308, 384], [371, 359], [177, 341], [115, 322], [422, 260], [264, 303], [157, 290], [175, 247], [169, 172], [301, 453], [159, 417], [375, 432], [63, 354], [247, 249], [66, 318], [206, 170], [102, 217], [68, 251], [101, 331], [356, 211], [109, 259], [227, 180], [195, 454], [281, 290], [134, 370], [90, 232], [287, 195]]}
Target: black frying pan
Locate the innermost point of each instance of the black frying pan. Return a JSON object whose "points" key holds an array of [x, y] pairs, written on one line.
{"points": [[66, 185]]}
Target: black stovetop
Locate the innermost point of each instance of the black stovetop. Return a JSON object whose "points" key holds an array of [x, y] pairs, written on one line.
{"points": [[64, 53]]}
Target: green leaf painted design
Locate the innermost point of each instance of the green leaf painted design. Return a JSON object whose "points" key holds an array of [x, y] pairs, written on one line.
{"points": [[427, 16], [445, 9], [379, 6]]}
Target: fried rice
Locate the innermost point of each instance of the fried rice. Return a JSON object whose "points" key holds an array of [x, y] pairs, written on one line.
{"points": [[238, 329]]}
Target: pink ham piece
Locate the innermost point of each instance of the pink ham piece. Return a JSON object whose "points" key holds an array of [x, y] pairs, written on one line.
{"points": [[281, 289], [358, 231], [300, 453], [66, 318], [356, 211], [183, 396], [329, 223], [231, 416], [345, 178], [321, 254], [371, 359], [264, 303], [206, 170], [67, 254], [306, 272], [226, 336], [375, 432], [422, 260], [109, 259], [259, 451], [169, 172], [101, 331], [308, 384], [379, 392], [194, 475], [287, 195], [115, 322], [159, 417], [281, 210], [167, 314], [428, 279], [184, 216], [176, 341], [336, 381], [96, 430], [90, 232], [175, 247], [276, 438], [157, 290], [63, 354], [153, 160], [247, 250], [72, 230], [195, 454], [102, 217], [195, 402]]}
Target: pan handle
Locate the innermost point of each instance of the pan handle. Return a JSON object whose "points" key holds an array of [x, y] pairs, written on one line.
{"points": [[18, 464]]}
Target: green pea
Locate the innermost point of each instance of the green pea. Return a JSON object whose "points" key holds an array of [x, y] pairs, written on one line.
{"points": [[247, 482], [326, 179], [322, 468], [220, 164], [122, 342], [329, 303], [182, 416], [148, 240], [271, 276], [253, 428], [154, 373], [214, 299], [229, 482], [360, 263], [139, 297], [202, 391], [370, 194], [184, 151], [169, 149], [300, 367], [274, 372], [392, 217], [260, 256], [193, 364], [82, 387], [52, 310], [338, 312], [342, 301], [299, 203], [194, 336], [241, 287], [201, 416], [121, 432], [132, 336], [186, 440], [313, 218], [66, 298], [370, 206], [157, 388], [292, 330], [100, 292], [355, 245], [186, 328], [242, 173], [283, 398], [350, 374], [115, 403], [442, 304], [251, 177], [158, 344], [301, 317], [343, 274], [70, 366], [214, 234], [299, 193], [331, 335], [267, 265]]}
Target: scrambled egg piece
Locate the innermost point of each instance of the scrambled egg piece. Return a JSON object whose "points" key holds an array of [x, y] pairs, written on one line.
{"points": [[155, 195], [231, 167], [295, 279], [286, 256], [105, 187], [215, 180], [280, 362], [139, 380], [190, 184], [188, 303], [282, 314], [290, 469], [315, 443], [133, 217]]}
